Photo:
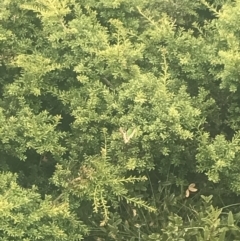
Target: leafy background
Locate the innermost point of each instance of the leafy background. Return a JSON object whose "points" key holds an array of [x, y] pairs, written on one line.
{"points": [[109, 110]]}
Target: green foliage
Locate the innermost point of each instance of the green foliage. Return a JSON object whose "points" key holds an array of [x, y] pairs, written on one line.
{"points": [[101, 183], [24, 216], [28, 131], [156, 83], [218, 158]]}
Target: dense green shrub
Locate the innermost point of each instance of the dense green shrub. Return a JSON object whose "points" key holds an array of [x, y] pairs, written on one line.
{"points": [[110, 109]]}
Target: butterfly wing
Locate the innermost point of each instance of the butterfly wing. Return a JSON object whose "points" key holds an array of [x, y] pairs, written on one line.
{"points": [[192, 188], [124, 134], [187, 193], [127, 135], [130, 134]]}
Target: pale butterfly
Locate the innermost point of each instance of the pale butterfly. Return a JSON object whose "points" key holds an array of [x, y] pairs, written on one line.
{"points": [[191, 188], [127, 137]]}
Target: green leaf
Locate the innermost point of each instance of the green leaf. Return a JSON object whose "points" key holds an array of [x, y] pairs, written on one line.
{"points": [[222, 236], [230, 219]]}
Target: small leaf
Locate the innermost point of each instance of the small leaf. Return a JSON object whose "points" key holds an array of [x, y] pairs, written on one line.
{"points": [[230, 219], [222, 236], [207, 199], [117, 222], [134, 212]]}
